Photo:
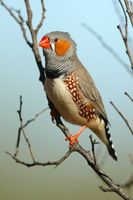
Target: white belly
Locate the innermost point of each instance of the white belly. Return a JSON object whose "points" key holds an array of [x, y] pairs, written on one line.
{"points": [[62, 99], [57, 92]]}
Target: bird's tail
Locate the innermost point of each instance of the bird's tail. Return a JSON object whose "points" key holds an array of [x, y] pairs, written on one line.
{"points": [[110, 145], [102, 131]]}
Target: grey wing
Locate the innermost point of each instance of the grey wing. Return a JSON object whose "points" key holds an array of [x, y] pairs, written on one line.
{"points": [[87, 86]]}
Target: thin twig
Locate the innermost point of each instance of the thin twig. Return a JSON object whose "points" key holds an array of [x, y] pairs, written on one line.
{"points": [[122, 116], [113, 186], [128, 96], [33, 45], [34, 38], [9, 11], [93, 143], [126, 21], [22, 126], [42, 17], [29, 17], [117, 10], [107, 47], [87, 155], [74, 147], [23, 131], [36, 163], [22, 26], [19, 20], [129, 9], [35, 117], [125, 35]]}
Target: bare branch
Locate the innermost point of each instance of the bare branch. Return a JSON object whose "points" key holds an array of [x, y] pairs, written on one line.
{"points": [[107, 47], [23, 131], [42, 17], [23, 29], [35, 163], [93, 143], [22, 126], [128, 96], [19, 20], [129, 9], [125, 36], [9, 11], [117, 10], [34, 39], [75, 147], [126, 20], [33, 45], [125, 40], [87, 155], [35, 117], [29, 16], [122, 116], [112, 186]]}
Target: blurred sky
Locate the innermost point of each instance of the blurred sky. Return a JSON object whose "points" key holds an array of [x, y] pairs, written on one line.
{"points": [[19, 76]]}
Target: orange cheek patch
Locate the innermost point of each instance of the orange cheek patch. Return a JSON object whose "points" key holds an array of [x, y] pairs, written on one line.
{"points": [[61, 47]]}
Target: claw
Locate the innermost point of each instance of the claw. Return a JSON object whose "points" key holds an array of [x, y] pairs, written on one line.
{"points": [[72, 139]]}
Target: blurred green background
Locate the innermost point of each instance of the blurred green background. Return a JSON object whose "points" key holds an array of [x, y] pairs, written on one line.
{"points": [[19, 76]]}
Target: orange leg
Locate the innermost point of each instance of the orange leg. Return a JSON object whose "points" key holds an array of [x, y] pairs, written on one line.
{"points": [[74, 138]]}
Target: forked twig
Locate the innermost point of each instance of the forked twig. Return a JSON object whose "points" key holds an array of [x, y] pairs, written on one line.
{"points": [[36, 163], [33, 31], [93, 143], [75, 147], [129, 9], [19, 19], [107, 47], [124, 35], [22, 126], [23, 131]]}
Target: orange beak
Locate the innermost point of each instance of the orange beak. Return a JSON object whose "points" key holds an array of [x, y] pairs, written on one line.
{"points": [[44, 43]]}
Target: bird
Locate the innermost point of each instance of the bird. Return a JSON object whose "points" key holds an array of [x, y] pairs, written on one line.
{"points": [[71, 90]]}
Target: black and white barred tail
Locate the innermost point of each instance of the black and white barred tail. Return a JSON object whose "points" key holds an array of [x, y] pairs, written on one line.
{"points": [[110, 145]]}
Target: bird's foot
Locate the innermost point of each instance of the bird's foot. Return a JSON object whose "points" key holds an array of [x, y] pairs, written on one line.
{"points": [[74, 138]]}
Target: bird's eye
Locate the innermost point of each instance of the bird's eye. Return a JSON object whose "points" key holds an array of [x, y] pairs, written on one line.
{"points": [[56, 39]]}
